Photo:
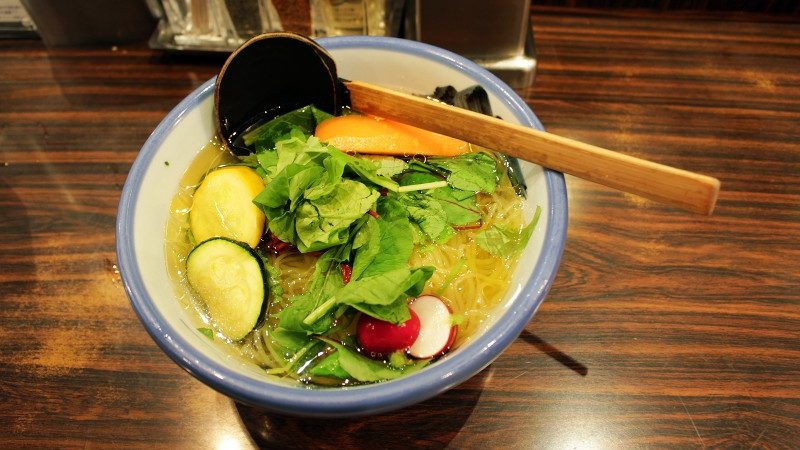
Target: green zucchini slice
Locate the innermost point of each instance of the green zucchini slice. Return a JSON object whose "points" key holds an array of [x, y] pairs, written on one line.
{"points": [[230, 279]]}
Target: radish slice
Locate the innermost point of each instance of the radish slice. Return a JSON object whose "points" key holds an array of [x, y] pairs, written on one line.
{"points": [[379, 338], [436, 332]]}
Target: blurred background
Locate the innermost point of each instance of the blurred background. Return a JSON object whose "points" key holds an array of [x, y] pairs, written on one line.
{"points": [[496, 34]]}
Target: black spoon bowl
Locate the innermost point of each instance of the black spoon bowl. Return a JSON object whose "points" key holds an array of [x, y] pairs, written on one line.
{"points": [[269, 75]]}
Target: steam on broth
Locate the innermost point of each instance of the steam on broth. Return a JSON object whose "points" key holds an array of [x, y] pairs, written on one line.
{"points": [[462, 273]]}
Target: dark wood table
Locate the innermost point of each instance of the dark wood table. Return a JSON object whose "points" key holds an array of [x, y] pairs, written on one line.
{"points": [[662, 329]]}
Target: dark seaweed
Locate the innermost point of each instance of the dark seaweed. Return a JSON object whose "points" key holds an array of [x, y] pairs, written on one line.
{"points": [[476, 99]]}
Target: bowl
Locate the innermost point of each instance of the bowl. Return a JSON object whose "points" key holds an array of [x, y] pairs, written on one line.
{"points": [[144, 207]]}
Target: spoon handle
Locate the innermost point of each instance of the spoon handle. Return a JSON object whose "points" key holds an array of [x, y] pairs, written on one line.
{"points": [[677, 187]]}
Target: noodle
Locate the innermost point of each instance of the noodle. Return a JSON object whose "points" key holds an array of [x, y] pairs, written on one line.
{"points": [[470, 280]]}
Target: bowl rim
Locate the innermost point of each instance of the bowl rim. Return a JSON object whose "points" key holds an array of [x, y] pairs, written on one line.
{"points": [[356, 400]]}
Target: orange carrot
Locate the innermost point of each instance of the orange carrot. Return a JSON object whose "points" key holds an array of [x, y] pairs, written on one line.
{"points": [[375, 135]]}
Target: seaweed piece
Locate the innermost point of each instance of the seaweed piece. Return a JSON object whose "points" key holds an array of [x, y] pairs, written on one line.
{"points": [[476, 99]]}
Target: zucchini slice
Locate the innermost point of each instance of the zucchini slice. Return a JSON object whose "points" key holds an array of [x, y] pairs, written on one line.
{"points": [[230, 279], [223, 206]]}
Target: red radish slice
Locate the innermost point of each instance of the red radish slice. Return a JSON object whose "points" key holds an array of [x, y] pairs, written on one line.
{"points": [[436, 333], [380, 338]]}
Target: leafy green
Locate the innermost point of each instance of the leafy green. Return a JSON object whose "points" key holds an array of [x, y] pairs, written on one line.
{"points": [[397, 311], [207, 332], [417, 280], [414, 177], [325, 281], [474, 172], [266, 161], [501, 241], [324, 222], [365, 369], [308, 202], [273, 280], [387, 166], [458, 208], [330, 367], [391, 239], [290, 349], [289, 341], [434, 212], [391, 208], [293, 317], [429, 215], [364, 169], [265, 135], [277, 193], [382, 288], [382, 296]]}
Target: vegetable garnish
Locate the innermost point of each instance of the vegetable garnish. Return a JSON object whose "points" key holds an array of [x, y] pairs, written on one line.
{"points": [[437, 331], [358, 219], [222, 206], [345, 363], [379, 338], [373, 135], [500, 241], [207, 332], [229, 278], [347, 272], [454, 271]]}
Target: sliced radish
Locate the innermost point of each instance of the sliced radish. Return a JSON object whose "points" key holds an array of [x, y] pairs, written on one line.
{"points": [[436, 332], [380, 338]]}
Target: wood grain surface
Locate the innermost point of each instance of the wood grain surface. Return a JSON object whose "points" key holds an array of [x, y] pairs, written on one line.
{"points": [[662, 329]]}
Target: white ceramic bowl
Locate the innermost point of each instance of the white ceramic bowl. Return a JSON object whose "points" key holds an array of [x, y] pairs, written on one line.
{"points": [[144, 208]]}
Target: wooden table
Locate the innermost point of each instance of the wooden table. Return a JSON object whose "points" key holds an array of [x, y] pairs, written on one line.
{"points": [[662, 328]]}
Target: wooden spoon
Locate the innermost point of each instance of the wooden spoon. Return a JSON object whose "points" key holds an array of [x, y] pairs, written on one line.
{"points": [[281, 71]]}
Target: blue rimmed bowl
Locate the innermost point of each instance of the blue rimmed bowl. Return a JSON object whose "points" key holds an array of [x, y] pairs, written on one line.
{"points": [[144, 209]]}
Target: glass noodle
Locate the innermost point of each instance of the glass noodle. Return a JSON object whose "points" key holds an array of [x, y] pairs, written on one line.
{"points": [[470, 280]]}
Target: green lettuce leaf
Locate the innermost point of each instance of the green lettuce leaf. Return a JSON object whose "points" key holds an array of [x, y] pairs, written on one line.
{"points": [[365, 369], [291, 349], [429, 215], [265, 135], [292, 318], [387, 166], [459, 209], [329, 367], [501, 241], [364, 169], [397, 310], [473, 172], [380, 289], [325, 222], [389, 239], [326, 280]]}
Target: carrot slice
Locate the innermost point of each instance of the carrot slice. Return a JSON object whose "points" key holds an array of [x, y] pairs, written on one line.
{"points": [[375, 135]]}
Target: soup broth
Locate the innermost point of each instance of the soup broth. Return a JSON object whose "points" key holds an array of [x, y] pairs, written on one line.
{"points": [[470, 280]]}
